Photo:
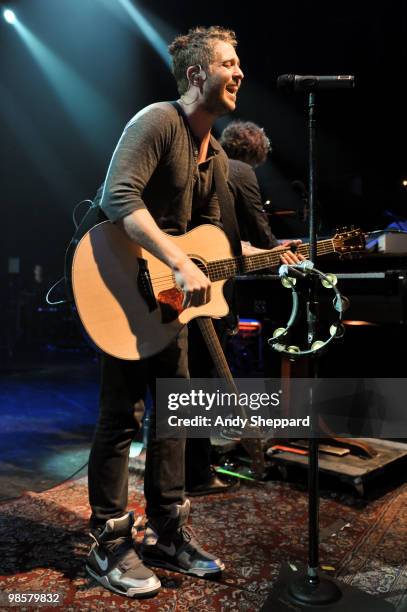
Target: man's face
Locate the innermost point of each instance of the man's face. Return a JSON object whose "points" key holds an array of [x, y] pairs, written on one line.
{"points": [[224, 77]]}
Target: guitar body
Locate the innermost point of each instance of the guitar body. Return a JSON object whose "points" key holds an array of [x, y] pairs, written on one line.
{"points": [[127, 299]]}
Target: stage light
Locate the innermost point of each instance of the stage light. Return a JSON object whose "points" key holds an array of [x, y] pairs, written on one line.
{"points": [[9, 16], [148, 31], [404, 183], [87, 107], [349, 322]]}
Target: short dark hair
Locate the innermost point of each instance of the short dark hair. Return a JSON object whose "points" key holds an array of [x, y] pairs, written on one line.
{"points": [[196, 47], [246, 141]]}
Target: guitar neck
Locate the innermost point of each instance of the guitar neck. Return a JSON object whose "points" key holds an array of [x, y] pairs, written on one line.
{"points": [[228, 268], [215, 349]]}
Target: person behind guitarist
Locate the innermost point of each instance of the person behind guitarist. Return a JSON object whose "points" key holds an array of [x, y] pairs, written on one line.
{"points": [[161, 179], [247, 146]]}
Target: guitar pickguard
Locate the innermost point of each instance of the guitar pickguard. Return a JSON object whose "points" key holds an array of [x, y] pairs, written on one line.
{"points": [[170, 302]]}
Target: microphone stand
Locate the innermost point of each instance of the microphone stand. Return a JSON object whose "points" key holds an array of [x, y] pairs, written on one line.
{"points": [[308, 590], [311, 588]]}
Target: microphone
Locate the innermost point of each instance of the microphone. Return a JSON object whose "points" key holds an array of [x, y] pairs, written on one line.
{"points": [[309, 82]]}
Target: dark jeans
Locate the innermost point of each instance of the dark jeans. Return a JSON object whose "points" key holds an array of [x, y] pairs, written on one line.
{"points": [[197, 461], [123, 389]]}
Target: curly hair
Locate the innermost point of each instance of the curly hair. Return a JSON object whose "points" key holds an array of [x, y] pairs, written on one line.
{"points": [[246, 141], [196, 47]]}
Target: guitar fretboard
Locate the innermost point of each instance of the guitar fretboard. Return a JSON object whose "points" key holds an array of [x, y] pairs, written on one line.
{"points": [[227, 268]]}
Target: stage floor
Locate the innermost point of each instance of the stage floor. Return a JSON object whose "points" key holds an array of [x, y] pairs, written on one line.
{"points": [[48, 416], [49, 407], [255, 530]]}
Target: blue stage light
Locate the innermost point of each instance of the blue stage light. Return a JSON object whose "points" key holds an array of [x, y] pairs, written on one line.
{"points": [[150, 33], [9, 16]]}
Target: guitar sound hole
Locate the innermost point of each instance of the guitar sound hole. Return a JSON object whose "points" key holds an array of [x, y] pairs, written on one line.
{"points": [[200, 264]]}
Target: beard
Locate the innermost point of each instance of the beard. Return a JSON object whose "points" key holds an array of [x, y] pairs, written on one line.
{"points": [[216, 103]]}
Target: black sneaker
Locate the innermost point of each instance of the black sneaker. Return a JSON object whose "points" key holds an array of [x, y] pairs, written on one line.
{"points": [[170, 544], [114, 563]]}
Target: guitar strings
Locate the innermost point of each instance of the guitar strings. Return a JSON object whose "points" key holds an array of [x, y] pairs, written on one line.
{"points": [[249, 262], [227, 268]]}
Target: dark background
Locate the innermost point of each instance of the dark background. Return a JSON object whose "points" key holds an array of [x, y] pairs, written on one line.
{"points": [[57, 136]]}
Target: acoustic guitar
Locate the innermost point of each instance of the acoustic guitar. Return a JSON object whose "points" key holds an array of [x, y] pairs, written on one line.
{"points": [[128, 300]]}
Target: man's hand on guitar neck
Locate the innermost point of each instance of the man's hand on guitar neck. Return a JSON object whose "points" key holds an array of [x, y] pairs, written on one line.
{"points": [[290, 255], [287, 256], [141, 227]]}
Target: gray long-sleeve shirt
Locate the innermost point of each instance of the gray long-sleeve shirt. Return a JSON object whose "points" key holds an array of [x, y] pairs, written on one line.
{"points": [[154, 166]]}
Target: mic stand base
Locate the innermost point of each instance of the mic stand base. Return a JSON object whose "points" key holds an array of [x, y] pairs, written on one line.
{"points": [[290, 594], [313, 590]]}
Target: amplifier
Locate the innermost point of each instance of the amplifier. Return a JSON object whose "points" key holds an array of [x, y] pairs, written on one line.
{"points": [[392, 243]]}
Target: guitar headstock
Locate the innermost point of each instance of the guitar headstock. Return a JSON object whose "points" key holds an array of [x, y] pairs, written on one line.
{"points": [[348, 241]]}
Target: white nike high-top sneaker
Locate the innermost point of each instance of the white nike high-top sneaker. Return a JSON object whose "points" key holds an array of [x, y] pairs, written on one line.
{"points": [[114, 563], [171, 544]]}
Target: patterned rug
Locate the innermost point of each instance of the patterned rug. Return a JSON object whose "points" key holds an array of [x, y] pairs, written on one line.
{"points": [[43, 543]]}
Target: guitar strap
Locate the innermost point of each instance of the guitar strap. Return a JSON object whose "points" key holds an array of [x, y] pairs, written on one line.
{"points": [[92, 217]]}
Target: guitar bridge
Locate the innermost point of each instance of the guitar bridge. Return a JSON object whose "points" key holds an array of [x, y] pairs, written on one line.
{"points": [[145, 286]]}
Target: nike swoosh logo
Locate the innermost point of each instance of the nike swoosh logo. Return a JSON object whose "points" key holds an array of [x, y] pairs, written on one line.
{"points": [[103, 563], [170, 550]]}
